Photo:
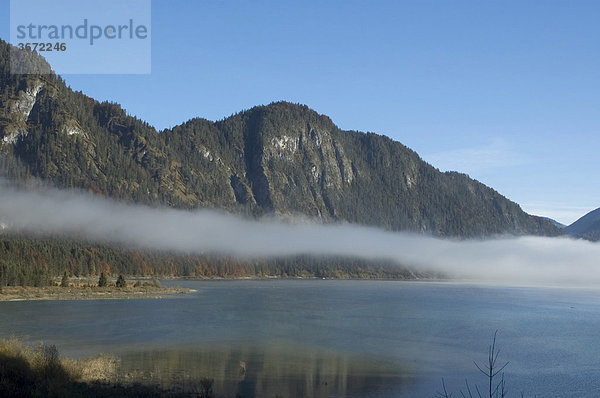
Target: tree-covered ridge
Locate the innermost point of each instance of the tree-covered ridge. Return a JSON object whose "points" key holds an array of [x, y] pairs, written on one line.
{"points": [[38, 262], [283, 159]]}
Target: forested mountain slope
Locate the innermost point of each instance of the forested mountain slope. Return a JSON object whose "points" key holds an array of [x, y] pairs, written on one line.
{"points": [[282, 159]]}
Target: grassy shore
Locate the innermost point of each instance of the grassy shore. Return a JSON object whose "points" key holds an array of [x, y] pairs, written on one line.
{"points": [[87, 289], [40, 372]]}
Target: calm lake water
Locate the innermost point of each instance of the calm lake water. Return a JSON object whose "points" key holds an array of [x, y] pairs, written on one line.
{"points": [[324, 338]]}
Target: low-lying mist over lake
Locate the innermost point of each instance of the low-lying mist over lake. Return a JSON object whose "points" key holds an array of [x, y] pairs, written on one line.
{"points": [[505, 259]]}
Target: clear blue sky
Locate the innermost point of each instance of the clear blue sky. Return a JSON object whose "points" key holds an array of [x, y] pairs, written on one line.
{"points": [[505, 91]]}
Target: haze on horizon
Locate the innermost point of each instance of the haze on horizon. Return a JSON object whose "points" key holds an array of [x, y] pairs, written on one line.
{"points": [[506, 260]]}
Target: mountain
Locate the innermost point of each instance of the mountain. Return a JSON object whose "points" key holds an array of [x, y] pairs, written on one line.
{"points": [[587, 227], [283, 159], [556, 223]]}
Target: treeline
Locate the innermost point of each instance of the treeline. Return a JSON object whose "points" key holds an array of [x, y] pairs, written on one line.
{"points": [[39, 262]]}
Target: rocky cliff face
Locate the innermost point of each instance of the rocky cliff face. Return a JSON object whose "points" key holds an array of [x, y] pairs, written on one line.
{"points": [[287, 159], [281, 159]]}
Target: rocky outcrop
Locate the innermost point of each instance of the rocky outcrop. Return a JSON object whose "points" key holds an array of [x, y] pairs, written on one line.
{"points": [[17, 111], [288, 160]]}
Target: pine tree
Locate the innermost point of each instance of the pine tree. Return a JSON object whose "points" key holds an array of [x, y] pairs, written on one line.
{"points": [[65, 280], [103, 281], [121, 282]]}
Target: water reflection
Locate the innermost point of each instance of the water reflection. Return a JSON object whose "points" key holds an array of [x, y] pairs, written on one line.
{"points": [[273, 370]]}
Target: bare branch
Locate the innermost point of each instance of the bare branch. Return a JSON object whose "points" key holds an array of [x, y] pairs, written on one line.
{"points": [[445, 393], [491, 370]]}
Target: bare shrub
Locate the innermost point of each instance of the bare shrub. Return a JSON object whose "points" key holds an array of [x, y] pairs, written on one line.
{"points": [[494, 375]]}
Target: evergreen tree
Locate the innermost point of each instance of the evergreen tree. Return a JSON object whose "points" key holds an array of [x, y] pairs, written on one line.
{"points": [[103, 281], [65, 280], [121, 282]]}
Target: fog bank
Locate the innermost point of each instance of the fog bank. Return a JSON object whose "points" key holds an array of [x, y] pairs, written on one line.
{"points": [[522, 260]]}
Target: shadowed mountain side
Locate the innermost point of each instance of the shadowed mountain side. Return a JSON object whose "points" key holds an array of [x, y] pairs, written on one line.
{"points": [[281, 159], [587, 227], [556, 223]]}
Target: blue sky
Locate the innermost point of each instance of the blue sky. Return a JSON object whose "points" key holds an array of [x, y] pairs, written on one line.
{"points": [[505, 91]]}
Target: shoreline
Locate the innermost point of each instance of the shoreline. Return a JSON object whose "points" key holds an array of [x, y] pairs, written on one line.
{"points": [[28, 293], [87, 289]]}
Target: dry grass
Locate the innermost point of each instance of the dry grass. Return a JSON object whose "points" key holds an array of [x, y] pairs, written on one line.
{"points": [[39, 371], [20, 293], [102, 368]]}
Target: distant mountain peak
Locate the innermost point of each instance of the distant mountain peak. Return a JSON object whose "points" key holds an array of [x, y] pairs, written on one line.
{"points": [[587, 227]]}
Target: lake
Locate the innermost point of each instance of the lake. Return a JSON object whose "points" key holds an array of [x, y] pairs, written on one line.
{"points": [[332, 338]]}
